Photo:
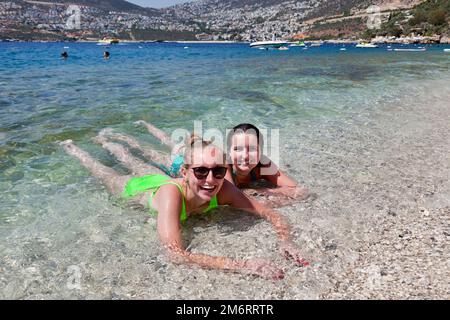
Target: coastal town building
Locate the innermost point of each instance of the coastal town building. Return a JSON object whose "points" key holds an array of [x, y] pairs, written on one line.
{"points": [[201, 20]]}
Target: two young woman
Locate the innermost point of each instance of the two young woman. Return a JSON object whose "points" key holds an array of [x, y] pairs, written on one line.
{"points": [[247, 166], [201, 187]]}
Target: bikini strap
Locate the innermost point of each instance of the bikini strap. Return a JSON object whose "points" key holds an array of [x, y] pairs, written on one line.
{"points": [[212, 204], [183, 215]]}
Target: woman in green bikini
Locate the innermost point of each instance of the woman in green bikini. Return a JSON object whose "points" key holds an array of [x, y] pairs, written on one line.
{"points": [[201, 187]]}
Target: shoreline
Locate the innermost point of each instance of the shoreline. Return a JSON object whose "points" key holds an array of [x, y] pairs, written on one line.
{"points": [[329, 41], [336, 42]]}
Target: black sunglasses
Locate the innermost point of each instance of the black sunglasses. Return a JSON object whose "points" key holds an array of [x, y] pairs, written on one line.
{"points": [[202, 172]]}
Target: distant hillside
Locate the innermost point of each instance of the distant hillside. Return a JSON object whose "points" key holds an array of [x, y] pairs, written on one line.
{"points": [[108, 5], [260, 19], [238, 20], [428, 18], [398, 17]]}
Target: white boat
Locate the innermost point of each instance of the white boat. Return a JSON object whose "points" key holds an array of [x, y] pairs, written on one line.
{"points": [[298, 44], [410, 50], [107, 41], [446, 50], [366, 45], [269, 44]]}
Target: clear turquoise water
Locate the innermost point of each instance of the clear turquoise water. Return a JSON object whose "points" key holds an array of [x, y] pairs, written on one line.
{"points": [[44, 99]]}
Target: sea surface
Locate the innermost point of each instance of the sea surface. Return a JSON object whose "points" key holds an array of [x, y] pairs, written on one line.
{"points": [[62, 235]]}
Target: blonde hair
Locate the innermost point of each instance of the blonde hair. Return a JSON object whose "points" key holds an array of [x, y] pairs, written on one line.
{"points": [[194, 142]]}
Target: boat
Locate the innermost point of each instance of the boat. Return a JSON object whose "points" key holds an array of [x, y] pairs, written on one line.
{"points": [[107, 41], [410, 50], [298, 44], [269, 44], [342, 49], [366, 45], [274, 44], [446, 50]]}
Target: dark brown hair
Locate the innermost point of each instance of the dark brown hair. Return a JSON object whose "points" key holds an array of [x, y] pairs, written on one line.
{"points": [[244, 128]]}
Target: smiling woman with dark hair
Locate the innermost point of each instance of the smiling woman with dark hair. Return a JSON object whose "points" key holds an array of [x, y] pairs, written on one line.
{"points": [[248, 165], [201, 188]]}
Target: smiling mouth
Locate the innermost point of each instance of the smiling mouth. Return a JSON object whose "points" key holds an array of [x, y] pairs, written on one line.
{"points": [[208, 188]]}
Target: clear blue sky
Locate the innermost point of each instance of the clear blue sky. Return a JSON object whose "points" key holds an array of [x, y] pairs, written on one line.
{"points": [[156, 3]]}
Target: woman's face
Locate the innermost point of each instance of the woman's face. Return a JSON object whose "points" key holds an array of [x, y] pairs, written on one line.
{"points": [[244, 152], [206, 174]]}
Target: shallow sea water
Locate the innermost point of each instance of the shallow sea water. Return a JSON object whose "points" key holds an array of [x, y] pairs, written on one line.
{"points": [[339, 114]]}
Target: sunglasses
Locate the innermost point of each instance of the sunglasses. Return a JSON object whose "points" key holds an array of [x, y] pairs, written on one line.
{"points": [[202, 172]]}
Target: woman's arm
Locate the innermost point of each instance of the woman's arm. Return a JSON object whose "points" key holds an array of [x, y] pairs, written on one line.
{"points": [[289, 193], [169, 230], [230, 195], [269, 171], [286, 186]]}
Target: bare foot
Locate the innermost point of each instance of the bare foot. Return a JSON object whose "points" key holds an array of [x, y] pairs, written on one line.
{"points": [[100, 139], [106, 132], [139, 122], [67, 145]]}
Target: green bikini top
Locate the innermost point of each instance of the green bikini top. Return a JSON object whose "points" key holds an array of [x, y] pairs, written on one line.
{"points": [[212, 204], [154, 182]]}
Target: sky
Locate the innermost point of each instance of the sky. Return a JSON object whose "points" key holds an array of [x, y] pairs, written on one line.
{"points": [[157, 3]]}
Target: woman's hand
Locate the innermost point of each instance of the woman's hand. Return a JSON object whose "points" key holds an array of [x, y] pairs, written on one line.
{"points": [[290, 251], [297, 193], [300, 193], [263, 268]]}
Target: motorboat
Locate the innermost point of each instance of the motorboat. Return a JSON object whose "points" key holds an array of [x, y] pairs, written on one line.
{"points": [[298, 44], [410, 49], [366, 45], [274, 44], [108, 41], [316, 44]]}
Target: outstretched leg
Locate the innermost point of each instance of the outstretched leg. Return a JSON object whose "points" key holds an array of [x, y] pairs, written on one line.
{"points": [[150, 154], [136, 166], [161, 135], [113, 181]]}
